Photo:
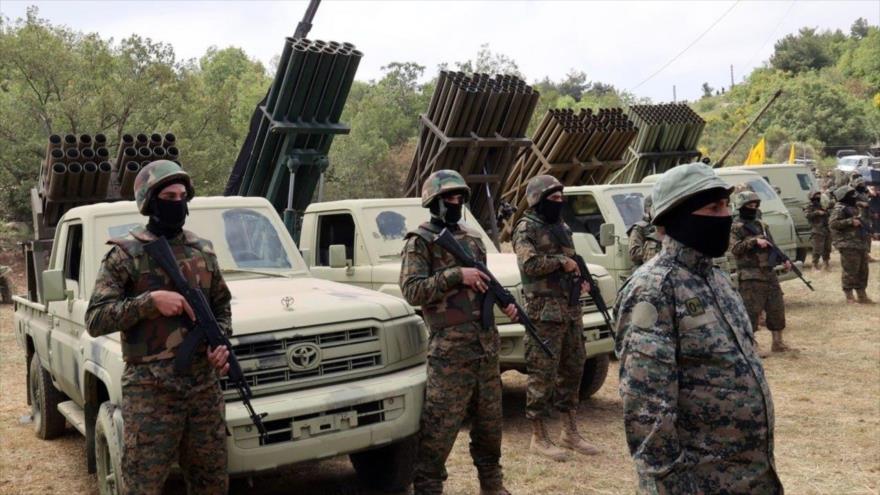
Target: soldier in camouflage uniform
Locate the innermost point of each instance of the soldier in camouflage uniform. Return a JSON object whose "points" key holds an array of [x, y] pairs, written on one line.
{"points": [[848, 234], [828, 181], [544, 250], [750, 242], [168, 417], [644, 239], [697, 408], [5, 285], [463, 372], [863, 201], [821, 233]]}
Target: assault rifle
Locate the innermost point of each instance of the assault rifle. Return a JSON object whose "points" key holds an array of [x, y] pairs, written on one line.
{"points": [[205, 328], [856, 212], [574, 296], [777, 257], [496, 294]]}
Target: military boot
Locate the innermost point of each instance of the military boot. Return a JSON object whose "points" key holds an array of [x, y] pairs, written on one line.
{"points": [[849, 296], [778, 345], [863, 297], [542, 445], [827, 266], [493, 489], [491, 480], [572, 439]]}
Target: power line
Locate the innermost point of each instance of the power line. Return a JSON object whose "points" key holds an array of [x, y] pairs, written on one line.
{"points": [[704, 33]]}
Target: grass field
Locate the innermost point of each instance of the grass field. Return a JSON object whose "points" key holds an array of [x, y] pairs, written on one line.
{"points": [[827, 400]]}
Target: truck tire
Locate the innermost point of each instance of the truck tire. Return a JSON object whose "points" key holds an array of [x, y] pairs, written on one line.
{"points": [[595, 371], [48, 421], [108, 452], [388, 468]]}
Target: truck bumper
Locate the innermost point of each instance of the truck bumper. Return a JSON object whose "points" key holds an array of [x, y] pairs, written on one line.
{"points": [[326, 421], [598, 340]]}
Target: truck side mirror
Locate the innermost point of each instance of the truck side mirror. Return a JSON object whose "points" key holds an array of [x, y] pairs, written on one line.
{"points": [[606, 234], [53, 286], [337, 256]]}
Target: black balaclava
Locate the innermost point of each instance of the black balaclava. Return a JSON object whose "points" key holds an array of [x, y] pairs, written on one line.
{"points": [[747, 213], [709, 235], [445, 214], [549, 210], [861, 188], [167, 217], [849, 199]]}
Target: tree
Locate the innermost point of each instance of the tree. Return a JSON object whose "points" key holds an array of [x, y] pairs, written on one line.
{"points": [[859, 28], [803, 51], [488, 62], [707, 90]]}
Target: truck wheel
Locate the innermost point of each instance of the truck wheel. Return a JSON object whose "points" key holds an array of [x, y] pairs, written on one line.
{"points": [[108, 452], [48, 421], [388, 468], [595, 371]]}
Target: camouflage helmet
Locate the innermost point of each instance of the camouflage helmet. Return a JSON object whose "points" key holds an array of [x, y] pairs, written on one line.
{"points": [[745, 197], [857, 181], [156, 175], [442, 182], [815, 194], [842, 191], [680, 183], [539, 187]]}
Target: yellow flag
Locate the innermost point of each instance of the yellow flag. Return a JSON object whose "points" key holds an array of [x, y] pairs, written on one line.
{"points": [[791, 154], [759, 152]]}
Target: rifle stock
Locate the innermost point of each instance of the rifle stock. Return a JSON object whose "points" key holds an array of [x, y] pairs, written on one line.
{"points": [[205, 328], [496, 293], [777, 257]]}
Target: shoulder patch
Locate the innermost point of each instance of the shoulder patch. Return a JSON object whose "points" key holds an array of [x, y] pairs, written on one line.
{"points": [[694, 306], [644, 315]]}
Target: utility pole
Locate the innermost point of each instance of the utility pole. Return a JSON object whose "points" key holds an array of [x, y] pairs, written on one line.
{"points": [[731, 75], [674, 100]]}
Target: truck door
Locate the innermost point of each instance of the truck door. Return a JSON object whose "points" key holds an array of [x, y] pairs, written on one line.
{"points": [[65, 351], [584, 216], [334, 229]]}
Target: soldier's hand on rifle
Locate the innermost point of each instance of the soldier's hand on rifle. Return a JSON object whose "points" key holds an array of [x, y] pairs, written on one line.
{"points": [[585, 287], [787, 265], [762, 243], [219, 358], [171, 303], [857, 222], [511, 312], [475, 279], [570, 265]]}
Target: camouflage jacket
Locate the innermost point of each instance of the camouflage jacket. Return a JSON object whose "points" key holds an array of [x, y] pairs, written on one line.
{"points": [[697, 408], [644, 242], [431, 278], [845, 235], [818, 218], [541, 253], [752, 262], [121, 300]]}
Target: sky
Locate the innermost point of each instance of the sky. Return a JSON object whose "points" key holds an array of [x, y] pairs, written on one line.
{"points": [[645, 47]]}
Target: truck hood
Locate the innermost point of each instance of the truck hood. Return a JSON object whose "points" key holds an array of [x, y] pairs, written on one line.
{"points": [[261, 304]]}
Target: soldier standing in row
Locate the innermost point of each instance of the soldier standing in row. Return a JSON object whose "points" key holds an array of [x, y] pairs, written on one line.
{"points": [[544, 250], [168, 417], [644, 239], [863, 203], [5, 285], [750, 243], [463, 372], [821, 233], [697, 408], [850, 238], [828, 182]]}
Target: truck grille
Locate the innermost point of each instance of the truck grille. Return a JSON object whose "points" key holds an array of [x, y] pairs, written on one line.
{"points": [[267, 360]]}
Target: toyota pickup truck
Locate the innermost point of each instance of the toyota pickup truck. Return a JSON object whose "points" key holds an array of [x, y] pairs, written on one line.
{"points": [[359, 242], [337, 369]]}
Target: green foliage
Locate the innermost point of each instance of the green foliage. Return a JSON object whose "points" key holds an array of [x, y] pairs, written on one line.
{"points": [[806, 50]]}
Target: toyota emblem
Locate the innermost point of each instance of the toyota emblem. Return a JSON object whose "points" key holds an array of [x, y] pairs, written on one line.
{"points": [[304, 357]]}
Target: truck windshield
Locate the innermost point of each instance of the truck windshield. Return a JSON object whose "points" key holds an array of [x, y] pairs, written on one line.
{"points": [[630, 206], [387, 226], [243, 238]]}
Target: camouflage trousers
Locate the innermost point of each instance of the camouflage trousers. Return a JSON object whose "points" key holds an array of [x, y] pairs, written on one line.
{"points": [[762, 295], [171, 418], [555, 379], [821, 248], [5, 290], [855, 268], [456, 391]]}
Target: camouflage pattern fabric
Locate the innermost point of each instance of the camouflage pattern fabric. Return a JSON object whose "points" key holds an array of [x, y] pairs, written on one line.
{"points": [[644, 242], [171, 418], [121, 299], [154, 177], [463, 374], [767, 296], [441, 182], [457, 390], [854, 264], [5, 285], [844, 234], [752, 262], [541, 249], [697, 408], [820, 232], [539, 187], [863, 204]]}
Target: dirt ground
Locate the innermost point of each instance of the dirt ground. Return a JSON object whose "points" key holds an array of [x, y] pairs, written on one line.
{"points": [[827, 400]]}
